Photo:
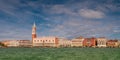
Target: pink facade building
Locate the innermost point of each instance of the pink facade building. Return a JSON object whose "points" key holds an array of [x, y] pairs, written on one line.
{"points": [[90, 42]]}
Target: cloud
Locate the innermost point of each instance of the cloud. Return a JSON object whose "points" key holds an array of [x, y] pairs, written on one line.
{"points": [[67, 19], [72, 28], [89, 13], [13, 33], [60, 10], [77, 11]]}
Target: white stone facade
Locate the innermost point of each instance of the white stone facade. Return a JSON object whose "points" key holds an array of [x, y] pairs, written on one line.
{"points": [[78, 42], [64, 42], [11, 43], [101, 42], [45, 42]]}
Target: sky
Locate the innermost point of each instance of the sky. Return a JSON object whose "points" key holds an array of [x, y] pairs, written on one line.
{"points": [[60, 18]]}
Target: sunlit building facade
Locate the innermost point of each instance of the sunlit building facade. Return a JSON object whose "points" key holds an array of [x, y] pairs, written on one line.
{"points": [[77, 42], [112, 43], [25, 43], [11, 43], [101, 42], [64, 42], [45, 42], [90, 42]]}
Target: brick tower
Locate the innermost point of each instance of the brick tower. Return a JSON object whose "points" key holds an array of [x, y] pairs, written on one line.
{"points": [[34, 32]]}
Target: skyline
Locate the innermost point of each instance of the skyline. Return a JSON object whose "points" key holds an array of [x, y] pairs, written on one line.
{"points": [[61, 18]]}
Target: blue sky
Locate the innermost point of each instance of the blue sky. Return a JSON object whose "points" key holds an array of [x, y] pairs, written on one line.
{"points": [[61, 18]]}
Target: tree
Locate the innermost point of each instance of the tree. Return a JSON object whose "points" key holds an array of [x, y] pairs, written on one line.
{"points": [[2, 44]]}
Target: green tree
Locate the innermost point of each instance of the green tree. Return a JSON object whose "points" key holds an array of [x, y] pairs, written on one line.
{"points": [[2, 45]]}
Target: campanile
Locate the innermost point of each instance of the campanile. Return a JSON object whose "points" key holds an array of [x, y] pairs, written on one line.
{"points": [[34, 35]]}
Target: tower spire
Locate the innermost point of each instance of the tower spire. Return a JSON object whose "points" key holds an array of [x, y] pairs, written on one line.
{"points": [[34, 25]]}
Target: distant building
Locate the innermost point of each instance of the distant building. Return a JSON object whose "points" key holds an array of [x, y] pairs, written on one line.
{"points": [[112, 43], [89, 42], [11, 43], [45, 42], [101, 42], [119, 42], [64, 42], [25, 43], [77, 42]]}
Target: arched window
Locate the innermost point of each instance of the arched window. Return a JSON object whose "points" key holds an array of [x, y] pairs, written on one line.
{"points": [[37, 40]]}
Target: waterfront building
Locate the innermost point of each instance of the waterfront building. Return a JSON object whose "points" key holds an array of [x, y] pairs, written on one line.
{"points": [[25, 43], [89, 42], [64, 42], [11, 43], [45, 42], [119, 42], [77, 42], [101, 42], [112, 43]]}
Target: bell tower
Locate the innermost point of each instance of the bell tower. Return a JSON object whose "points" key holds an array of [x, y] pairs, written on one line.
{"points": [[34, 31]]}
